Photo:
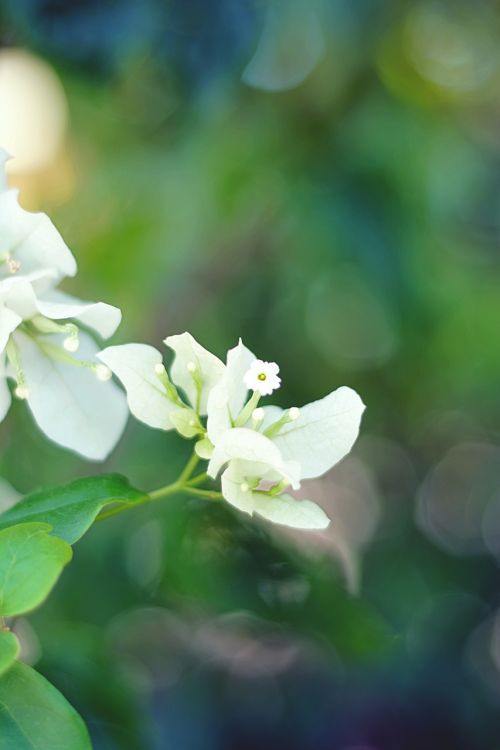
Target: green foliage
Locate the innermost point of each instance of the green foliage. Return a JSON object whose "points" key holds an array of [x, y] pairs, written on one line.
{"points": [[31, 561], [71, 510], [35, 716], [9, 649]]}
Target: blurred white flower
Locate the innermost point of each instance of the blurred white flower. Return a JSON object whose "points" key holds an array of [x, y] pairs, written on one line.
{"points": [[34, 110], [66, 398]]}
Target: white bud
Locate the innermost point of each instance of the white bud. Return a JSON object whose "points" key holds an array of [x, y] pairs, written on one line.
{"points": [[14, 265], [160, 369], [22, 392], [293, 413], [244, 487], [191, 367], [258, 414], [71, 344], [103, 373]]}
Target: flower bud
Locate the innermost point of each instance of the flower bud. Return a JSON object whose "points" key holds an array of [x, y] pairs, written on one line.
{"points": [[103, 373]]}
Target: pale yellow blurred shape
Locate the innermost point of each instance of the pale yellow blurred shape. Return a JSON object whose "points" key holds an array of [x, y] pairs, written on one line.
{"points": [[453, 50], [33, 111]]}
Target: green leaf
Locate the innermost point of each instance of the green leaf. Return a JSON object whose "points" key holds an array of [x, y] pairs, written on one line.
{"points": [[35, 716], [31, 561], [71, 509], [9, 650]]}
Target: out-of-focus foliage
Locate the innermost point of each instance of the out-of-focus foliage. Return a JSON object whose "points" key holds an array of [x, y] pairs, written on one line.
{"points": [[321, 179]]}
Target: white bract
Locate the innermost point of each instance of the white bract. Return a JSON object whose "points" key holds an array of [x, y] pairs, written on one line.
{"points": [[267, 449], [152, 396], [39, 337], [261, 451]]}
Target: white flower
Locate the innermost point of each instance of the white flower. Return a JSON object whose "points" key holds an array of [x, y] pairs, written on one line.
{"points": [[152, 397], [262, 377], [274, 446], [256, 476], [261, 451], [38, 336]]}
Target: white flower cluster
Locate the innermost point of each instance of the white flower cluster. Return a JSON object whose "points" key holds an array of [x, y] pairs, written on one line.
{"points": [[57, 368], [42, 348], [261, 451]]}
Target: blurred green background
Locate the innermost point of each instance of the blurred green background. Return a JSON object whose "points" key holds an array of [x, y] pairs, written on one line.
{"points": [[320, 178]]}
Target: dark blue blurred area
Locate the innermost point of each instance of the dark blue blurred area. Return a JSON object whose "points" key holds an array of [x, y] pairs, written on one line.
{"points": [[199, 39]]}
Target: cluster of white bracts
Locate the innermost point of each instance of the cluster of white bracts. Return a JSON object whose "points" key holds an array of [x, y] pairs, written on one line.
{"points": [[51, 361], [261, 450]]}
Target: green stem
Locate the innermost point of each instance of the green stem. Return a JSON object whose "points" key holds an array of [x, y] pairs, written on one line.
{"points": [[183, 484], [115, 510], [198, 479], [208, 494], [247, 410], [188, 469]]}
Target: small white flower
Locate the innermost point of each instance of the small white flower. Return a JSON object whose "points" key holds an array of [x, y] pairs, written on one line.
{"points": [[262, 377]]}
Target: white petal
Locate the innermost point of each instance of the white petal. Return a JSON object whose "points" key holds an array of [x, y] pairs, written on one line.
{"points": [[99, 316], [70, 405], [134, 365], [186, 422], [324, 432], [9, 321], [187, 351], [231, 486], [248, 445], [283, 509], [18, 295], [36, 241], [286, 510], [228, 397]]}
